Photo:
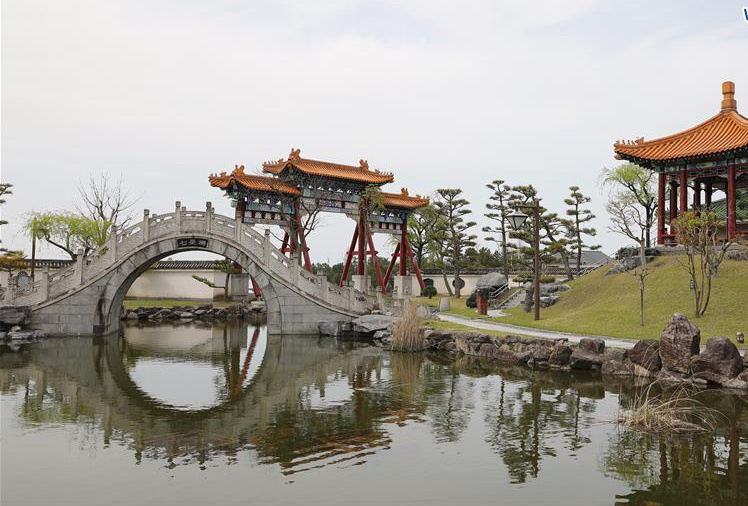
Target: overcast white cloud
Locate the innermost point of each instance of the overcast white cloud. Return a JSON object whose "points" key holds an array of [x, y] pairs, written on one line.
{"points": [[444, 94]]}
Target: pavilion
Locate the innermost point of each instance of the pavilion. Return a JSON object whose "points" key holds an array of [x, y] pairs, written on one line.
{"points": [[295, 190], [708, 157]]}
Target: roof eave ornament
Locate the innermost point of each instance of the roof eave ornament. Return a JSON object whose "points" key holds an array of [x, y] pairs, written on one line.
{"points": [[728, 97], [295, 155]]}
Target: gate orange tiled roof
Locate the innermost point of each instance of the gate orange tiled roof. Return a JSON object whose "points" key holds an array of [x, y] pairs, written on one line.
{"points": [[727, 131], [251, 181], [403, 200], [361, 174]]}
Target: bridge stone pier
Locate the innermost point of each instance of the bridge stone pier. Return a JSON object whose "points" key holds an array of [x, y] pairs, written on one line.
{"points": [[86, 299]]}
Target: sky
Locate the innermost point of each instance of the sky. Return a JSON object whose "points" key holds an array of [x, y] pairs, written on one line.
{"points": [[443, 94]]}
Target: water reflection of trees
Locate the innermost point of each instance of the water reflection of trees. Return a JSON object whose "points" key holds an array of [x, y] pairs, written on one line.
{"points": [[685, 469], [322, 402], [532, 415]]}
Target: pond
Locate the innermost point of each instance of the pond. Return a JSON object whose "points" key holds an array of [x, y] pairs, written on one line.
{"points": [[193, 414]]}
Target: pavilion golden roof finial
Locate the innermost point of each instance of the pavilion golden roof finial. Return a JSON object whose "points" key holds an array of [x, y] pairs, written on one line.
{"points": [[364, 164], [295, 155], [728, 97]]}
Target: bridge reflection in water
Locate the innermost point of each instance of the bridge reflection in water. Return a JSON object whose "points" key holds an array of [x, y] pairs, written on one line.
{"points": [[191, 395]]}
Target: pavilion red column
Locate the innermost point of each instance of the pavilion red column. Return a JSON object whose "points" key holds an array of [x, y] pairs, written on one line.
{"points": [[673, 201], [708, 194], [683, 188], [661, 209], [731, 198], [696, 195]]}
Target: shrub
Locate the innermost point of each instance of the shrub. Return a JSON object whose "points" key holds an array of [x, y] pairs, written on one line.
{"points": [[406, 333], [527, 278], [428, 291]]}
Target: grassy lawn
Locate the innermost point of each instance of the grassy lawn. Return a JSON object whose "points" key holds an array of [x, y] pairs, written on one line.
{"points": [[440, 325], [609, 305], [136, 303], [457, 306]]}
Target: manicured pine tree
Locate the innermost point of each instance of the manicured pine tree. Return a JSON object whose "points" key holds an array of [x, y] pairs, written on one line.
{"points": [[498, 210], [575, 224], [453, 230]]}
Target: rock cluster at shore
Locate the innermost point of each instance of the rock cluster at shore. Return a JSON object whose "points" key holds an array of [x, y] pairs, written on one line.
{"points": [[253, 310], [675, 357]]}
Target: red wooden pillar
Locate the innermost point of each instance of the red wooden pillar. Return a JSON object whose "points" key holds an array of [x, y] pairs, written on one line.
{"points": [[412, 256], [241, 208], [403, 257], [731, 204], [395, 256], [361, 243], [708, 194], [661, 209], [696, 195], [375, 263], [349, 257], [683, 188], [255, 288], [673, 202]]}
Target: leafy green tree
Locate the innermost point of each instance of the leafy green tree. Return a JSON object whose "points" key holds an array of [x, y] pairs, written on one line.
{"points": [[575, 224], [498, 210], [420, 227], [68, 231], [454, 238], [634, 185]]}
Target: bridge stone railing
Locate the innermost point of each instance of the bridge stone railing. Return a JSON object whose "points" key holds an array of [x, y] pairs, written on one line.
{"points": [[184, 223]]}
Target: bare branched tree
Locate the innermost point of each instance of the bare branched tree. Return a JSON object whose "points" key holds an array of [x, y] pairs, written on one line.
{"points": [[630, 219], [705, 251], [105, 200]]}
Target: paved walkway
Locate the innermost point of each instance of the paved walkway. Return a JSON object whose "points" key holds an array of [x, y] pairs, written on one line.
{"points": [[614, 342]]}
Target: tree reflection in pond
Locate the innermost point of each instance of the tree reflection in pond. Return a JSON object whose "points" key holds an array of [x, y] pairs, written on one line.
{"points": [[315, 407]]}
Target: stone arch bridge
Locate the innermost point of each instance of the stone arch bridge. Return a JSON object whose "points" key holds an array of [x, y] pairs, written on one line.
{"points": [[86, 298]]}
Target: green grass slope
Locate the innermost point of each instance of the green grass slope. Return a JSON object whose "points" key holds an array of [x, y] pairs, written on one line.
{"points": [[609, 305]]}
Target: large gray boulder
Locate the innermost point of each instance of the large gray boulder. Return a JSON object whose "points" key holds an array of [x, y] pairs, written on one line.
{"points": [[370, 323], [492, 280], [588, 354], [678, 343], [646, 354], [615, 363], [560, 355], [720, 361]]}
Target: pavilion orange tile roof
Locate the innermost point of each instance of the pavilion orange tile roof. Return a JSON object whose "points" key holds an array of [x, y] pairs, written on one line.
{"points": [[251, 181], [403, 200], [725, 132], [361, 174]]}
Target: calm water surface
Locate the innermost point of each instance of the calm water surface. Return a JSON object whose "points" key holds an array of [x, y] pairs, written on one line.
{"points": [[228, 415]]}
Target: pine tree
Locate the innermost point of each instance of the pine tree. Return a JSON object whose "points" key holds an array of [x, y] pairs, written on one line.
{"points": [[575, 223], [453, 230], [498, 211]]}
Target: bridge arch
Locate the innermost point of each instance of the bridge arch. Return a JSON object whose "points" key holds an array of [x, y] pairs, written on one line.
{"points": [[86, 299]]}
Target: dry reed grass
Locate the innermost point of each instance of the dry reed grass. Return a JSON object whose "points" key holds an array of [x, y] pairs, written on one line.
{"points": [[406, 333], [674, 411]]}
